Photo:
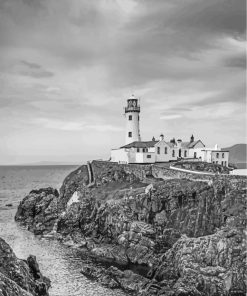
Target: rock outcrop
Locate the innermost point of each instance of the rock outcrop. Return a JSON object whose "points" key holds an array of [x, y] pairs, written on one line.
{"points": [[20, 277], [167, 237], [39, 210]]}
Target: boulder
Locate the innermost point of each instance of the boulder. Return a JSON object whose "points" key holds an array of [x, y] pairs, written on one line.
{"points": [[19, 277], [210, 265], [39, 210]]}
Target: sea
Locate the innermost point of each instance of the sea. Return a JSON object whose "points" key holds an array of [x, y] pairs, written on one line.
{"points": [[62, 264]]}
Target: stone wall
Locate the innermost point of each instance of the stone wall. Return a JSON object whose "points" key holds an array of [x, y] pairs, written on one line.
{"points": [[202, 166], [167, 173]]}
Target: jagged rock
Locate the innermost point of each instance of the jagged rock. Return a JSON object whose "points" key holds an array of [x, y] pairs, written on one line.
{"points": [[122, 219], [38, 210], [112, 277], [75, 181], [202, 166], [19, 277], [209, 265]]}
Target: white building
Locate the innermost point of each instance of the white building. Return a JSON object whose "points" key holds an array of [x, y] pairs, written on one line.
{"points": [[137, 151], [216, 155]]}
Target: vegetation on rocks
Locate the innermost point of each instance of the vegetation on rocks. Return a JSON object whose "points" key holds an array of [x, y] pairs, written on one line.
{"points": [[163, 237], [201, 166]]}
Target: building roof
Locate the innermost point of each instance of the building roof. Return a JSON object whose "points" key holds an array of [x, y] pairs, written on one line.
{"points": [[190, 144], [148, 144], [140, 144]]}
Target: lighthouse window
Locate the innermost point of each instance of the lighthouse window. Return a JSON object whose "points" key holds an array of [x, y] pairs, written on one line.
{"points": [[130, 134], [130, 117]]}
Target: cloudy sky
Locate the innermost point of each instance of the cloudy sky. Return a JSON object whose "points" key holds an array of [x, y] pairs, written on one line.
{"points": [[67, 68]]}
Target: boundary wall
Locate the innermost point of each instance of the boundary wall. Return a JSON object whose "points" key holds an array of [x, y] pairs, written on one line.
{"points": [[143, 171]]}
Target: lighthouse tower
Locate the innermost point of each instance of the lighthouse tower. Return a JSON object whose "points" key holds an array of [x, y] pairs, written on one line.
{"points": [[132, 112]]}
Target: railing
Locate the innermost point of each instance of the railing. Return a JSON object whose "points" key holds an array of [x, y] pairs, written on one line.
{"points": [[132, 109]]}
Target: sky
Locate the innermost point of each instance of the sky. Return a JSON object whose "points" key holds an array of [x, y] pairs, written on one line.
{"points": [[67, 68]]}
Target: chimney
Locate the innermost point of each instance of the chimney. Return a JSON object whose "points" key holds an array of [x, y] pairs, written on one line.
{"points": [[161, 137], [153, 139], [191, 139], [179, 141]]}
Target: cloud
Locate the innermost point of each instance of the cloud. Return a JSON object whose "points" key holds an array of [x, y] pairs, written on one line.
{"points": [[75, 125], [37, 74], [170, 116], [31, 65], [80, 61], [34, 70], [236, 61]]}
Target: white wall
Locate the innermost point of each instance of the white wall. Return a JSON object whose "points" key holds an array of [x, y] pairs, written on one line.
{"points": [[142, 157], [133, 127], [162, 157], [199, 152], [119, 155], [220, 159], [207, 156]]}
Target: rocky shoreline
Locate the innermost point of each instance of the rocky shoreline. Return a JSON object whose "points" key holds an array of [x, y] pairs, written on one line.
{"points": [[20, 277], [174, 235]]}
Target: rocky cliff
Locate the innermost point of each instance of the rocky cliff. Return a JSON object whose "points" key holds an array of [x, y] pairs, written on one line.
{"points": [[167, 236], [20, 277]]}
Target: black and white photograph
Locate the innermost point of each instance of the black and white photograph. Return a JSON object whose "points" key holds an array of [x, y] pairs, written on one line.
{"points": [[123, 148]]}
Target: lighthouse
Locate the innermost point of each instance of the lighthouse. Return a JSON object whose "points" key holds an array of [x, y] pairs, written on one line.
{"points": [[132, 115]]}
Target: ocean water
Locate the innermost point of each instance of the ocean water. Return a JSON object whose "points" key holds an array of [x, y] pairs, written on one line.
{"points": [[60, 263]]}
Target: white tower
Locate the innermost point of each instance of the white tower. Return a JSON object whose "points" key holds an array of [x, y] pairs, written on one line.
{"points": [[132, 112]]}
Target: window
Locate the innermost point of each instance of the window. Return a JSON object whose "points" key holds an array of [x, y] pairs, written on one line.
{"points": [[148, 156], [130, 117], [223, 155], [138, 117], [143, 150], [222, 163], [165, 150], [194, 154], [130, 134], [185, 153], [173, 153], [138, 149], [158, 150], [217, 155]]}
